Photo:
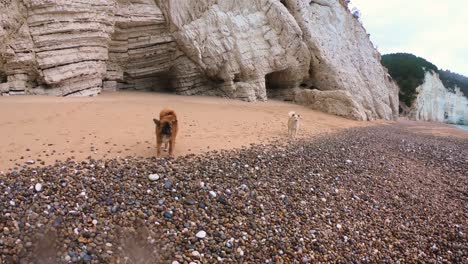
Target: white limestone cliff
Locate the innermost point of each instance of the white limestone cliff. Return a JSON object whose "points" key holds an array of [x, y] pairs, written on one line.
{"points": [[434, 102], [311, 52]]}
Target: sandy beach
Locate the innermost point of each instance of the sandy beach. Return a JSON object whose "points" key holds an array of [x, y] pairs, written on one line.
{"points": [[45, 129]]}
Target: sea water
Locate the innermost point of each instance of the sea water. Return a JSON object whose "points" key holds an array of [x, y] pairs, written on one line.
{"points": [[464, 127]]}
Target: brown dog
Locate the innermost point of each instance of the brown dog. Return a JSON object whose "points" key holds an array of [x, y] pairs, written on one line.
{"points": [[166, 130]]}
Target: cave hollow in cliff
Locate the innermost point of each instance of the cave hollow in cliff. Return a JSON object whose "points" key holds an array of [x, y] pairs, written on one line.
{"points": [[280, 85]]}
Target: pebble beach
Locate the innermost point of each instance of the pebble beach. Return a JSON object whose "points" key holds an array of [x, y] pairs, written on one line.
{"points": [[379, 194]]}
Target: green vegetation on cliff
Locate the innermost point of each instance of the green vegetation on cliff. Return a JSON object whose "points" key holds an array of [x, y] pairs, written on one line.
{"points": [[452, 80], [408, 71]]}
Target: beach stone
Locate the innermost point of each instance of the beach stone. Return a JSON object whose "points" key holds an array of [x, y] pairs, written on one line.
{"points": [[153, 177], [38, 187], [212, 194], [201, 234], [87, 258], [167, 215]]}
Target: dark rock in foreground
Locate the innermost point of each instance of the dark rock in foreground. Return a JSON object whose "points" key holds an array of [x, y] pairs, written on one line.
{"points": [[380, 194]]}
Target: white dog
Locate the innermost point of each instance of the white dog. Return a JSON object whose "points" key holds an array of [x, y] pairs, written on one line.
{"points": [[293, 124]]}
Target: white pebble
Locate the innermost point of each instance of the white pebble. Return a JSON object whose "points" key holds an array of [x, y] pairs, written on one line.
{"points": [[202, 184], [12, 203], [67, 258], [201, 234], [30, 162], [338, 226], [38, 187], [348, 161], [108, 245], [240, 251], [212, 194], [246, 165], [282, 196], [94, 222], [195, 253], [323, 199], [153, 177]]}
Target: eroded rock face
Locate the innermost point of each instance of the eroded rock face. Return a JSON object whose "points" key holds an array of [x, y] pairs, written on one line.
{"points": [[238, 43], [246, 49], [435, 103], [343, 57]]}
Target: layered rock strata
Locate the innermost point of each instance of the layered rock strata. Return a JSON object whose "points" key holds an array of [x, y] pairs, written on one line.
{"points": [[312, 52]]}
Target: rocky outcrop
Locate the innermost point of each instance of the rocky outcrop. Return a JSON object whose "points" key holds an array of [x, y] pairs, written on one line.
{"points": [[343, 57], [434, 102], [243, 49], [336, 102]]}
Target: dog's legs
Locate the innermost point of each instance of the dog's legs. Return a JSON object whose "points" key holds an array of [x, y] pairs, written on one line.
{"points": [[166, 144], [171, 146], [158, 148]]}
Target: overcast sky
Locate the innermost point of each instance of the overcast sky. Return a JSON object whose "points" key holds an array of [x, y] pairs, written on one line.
{"points": [[436, 30]]}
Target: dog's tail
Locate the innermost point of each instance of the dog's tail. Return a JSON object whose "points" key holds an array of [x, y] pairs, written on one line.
{"points": [[291, 113]]}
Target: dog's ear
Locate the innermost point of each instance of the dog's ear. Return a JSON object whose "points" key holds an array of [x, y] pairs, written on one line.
{"points": [[156, 122]]}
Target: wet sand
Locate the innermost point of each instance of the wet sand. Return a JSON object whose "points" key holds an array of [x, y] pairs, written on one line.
{"points": [[120, 124]]}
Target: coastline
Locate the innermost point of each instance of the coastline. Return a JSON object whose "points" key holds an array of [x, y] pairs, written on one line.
{"points": [[464, 127]]}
